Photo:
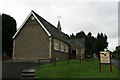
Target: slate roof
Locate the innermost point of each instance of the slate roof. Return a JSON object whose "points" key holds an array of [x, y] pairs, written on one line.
{"points": [[51, 29], [77, 43]]}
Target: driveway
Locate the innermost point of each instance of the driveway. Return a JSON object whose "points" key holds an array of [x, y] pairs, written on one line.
{"points": [[14, 69], [116, 63]]}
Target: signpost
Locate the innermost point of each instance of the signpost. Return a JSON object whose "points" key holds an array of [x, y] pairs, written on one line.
{"points": [[105, 59]]}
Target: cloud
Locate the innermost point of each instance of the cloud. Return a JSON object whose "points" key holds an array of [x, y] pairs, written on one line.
{"points": [[95, 17]]}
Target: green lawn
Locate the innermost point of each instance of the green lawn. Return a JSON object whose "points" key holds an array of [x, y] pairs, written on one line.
{"points": [[75, 69]]}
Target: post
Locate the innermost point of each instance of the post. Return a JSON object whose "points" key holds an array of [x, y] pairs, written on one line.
{"points": [[99, 67], [68, 60], [39, 62], [110, 62], [68, 56], [110, 67], [54, 61], [80, 59], [99, 64]]}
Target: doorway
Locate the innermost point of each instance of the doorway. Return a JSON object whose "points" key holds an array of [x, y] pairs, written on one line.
{"points": [[73, 54]]}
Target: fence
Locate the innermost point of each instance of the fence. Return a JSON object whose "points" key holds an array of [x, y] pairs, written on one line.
{"points": [[54, 60]]}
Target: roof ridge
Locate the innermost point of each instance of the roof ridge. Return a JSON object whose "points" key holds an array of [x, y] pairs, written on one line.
{"points": [[47, 26], [47, 22], [43, 18]]}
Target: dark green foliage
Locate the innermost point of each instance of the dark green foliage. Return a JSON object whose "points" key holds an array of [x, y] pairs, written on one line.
{"points": [[89, 45], [100, 43], [72, 36], [116, 53], [92, 44], [118, 50], [80, 34], [8, 30]]}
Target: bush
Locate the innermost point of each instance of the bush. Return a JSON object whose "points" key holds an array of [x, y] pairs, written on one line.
{"points": [[118, 57]]}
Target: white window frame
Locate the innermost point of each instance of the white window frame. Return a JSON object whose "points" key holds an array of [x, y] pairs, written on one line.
{"points": [[56, 44], [61, 46], [66, 48]]}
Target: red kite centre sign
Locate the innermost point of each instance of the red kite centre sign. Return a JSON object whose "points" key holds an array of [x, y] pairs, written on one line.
{"points": [[105, 59]]}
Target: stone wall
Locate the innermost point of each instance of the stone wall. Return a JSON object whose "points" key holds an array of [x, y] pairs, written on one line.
{"points": [[58, 53], [31, 42]]}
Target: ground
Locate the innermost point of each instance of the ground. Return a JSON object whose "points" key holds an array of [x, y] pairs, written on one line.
{"points": [[75, 69], [14, 69]]}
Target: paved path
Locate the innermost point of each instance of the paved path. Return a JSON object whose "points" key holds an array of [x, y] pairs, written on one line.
{"points": [[116, 63], [14, 69]]}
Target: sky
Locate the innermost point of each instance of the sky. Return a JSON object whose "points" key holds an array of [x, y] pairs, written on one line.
{"points": [[96, 16]]}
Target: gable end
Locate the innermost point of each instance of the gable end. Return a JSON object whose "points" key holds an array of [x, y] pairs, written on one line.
{"points": [[31, 13]]}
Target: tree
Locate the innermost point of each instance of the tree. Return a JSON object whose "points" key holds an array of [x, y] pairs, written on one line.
{"points": [[80, 34], [92, 44], [116, 53], [8, 30], [100, 43], [89, 44], [72, 36]]}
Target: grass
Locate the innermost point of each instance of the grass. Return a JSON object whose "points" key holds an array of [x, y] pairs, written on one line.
{"points": [[75, 69]]}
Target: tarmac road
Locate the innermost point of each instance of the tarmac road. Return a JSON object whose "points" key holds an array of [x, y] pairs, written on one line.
{"points": [[13, 69], [116, 63]]}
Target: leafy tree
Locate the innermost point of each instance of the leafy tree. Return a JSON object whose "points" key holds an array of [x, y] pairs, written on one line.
{"points": [[80, 34], [118, 49], [116, 53], [100, 43], [89, 44], [92, 44], [8, 30], [72, 36]]}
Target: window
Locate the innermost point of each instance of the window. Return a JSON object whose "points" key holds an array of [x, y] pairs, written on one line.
{"points": [[66, 48], [56, 44], [61, 47]]}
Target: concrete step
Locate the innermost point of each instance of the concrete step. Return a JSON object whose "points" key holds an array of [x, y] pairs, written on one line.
{"points": [[29, 78], [28, 74], [29, 70]]}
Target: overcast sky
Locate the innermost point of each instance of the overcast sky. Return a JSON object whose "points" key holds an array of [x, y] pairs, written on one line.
{"points": [[76, 15]]}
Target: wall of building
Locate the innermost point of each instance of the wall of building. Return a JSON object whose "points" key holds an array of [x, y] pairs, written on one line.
{"points": [[60, 49], [31, 42], [79, 52]]}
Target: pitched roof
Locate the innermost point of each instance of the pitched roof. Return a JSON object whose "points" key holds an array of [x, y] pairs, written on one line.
{"points": [[77, 43], [50, 29]]}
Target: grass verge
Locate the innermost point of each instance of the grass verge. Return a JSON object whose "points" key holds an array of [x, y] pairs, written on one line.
{"points": [[75, 69]]}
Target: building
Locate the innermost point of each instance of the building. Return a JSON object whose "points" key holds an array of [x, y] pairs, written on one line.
{"points": [[37, 38], [77, 47]]}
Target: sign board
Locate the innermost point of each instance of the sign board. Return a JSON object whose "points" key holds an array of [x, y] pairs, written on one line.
{"points": [[104, 57]]}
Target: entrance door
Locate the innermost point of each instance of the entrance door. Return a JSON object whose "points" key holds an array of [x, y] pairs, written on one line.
{"points": [[73, 54]]}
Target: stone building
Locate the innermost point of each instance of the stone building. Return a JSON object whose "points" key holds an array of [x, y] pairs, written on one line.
{"points": [[37, 38], [77, 47]]}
